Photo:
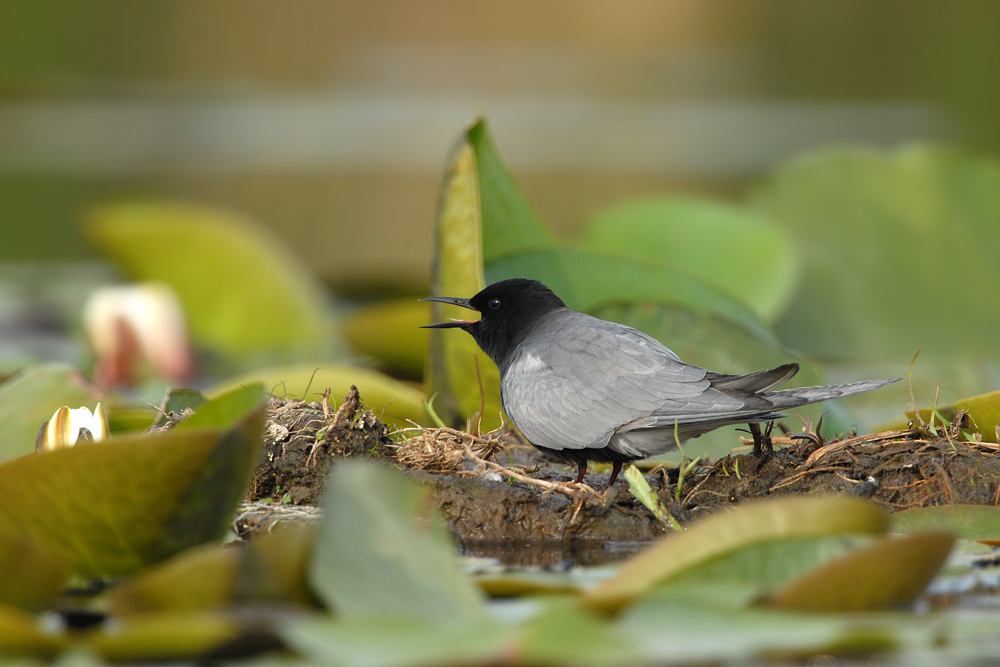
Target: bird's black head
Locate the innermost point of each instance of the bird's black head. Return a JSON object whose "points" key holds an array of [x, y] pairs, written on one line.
{"points": [[508, 310]]}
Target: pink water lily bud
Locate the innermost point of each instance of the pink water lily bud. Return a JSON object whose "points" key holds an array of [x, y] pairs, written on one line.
{"points": [[69, 426], [131, 325]]}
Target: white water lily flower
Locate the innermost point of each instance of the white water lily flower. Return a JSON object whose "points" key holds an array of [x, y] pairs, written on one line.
{"points": [[68, 426], [135, 323]]}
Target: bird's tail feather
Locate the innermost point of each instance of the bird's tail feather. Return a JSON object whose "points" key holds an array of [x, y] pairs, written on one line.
{"points": [[790, 398]]}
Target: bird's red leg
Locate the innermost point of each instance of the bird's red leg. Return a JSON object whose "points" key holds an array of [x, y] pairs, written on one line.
{"points": [[581, 471], [615, 469]]}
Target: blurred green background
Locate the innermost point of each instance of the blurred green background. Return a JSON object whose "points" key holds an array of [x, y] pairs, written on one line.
{"points": [[330, 123]]}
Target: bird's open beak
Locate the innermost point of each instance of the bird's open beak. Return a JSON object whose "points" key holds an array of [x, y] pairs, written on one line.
{"points": [[453, 301]]}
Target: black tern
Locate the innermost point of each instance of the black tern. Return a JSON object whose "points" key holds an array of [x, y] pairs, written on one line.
{"points": [[584, 389]]}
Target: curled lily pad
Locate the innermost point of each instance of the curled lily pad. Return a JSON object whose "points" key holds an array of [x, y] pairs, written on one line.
{"points": [[727, 531], [889, 573], [456, 366]]}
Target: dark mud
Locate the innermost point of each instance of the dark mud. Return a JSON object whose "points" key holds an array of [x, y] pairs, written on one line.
{"points": [[498, 491]]}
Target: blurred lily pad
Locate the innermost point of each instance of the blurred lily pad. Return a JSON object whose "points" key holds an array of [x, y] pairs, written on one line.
{"points": [[381, 550], [242, 290], [723, 533], [394, 641], [393, 401], [33, 577], [889, 573], [886, 239], [969, 522], [565, 634], [269, 568], [20, 635], [113, 507], [165, 636], [736, 250], [390, 332]]}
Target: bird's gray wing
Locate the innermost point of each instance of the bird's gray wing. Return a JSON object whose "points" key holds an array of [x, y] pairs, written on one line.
{"points": [[576, 379]]}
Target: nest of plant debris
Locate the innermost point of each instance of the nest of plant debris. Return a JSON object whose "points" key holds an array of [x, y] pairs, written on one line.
{"points": [[917, 467], [445, 450]]}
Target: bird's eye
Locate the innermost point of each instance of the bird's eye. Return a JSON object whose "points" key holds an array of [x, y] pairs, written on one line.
{"points": [[494, 303]]}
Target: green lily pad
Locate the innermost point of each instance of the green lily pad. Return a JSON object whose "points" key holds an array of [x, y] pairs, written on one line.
{"points": [[20, 635], [723, 533], [394, 641], [241, 289], [377, 553], [393, 401], [969, 522], [165, 636], [565, 634], [889, 573], [270, 568], [33, 576], [390, 333], [736, 250], [113, 507], [882, 237]]}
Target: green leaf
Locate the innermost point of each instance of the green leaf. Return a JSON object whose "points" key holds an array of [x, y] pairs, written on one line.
{"points": [[113, 507], [728, 531], [969, 522], [883, 237], [375, 555], [733, 249], [393, 401], [587, 280], [30, 398], [453, 356], [242, 290], [510, 225], [20, 634], [758, 568], [33, 577], [889, 573], [270, 568], [687, 633], [639, 487], [165, 636], [226, 409], [393, 641], [564, 634]]}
